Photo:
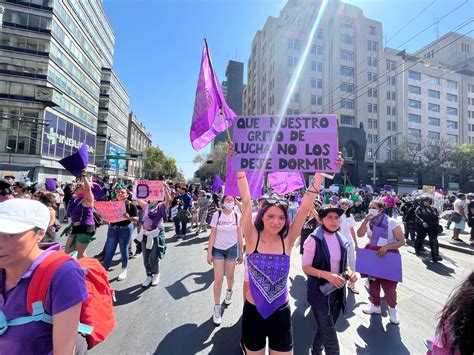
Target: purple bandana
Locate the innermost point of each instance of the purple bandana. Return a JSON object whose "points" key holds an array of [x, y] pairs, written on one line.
{"points": [[379, 229], [268, 279]]}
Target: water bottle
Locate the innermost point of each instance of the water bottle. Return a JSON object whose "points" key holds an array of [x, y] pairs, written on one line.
{"points": [[328, 288]]}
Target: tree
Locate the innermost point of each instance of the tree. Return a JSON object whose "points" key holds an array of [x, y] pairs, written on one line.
{"points": [[158, 166], [211, 164], [462, 158]]}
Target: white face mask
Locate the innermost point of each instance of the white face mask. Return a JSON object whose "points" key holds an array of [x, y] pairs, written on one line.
{"points": [[373, 212], [229, 206]]}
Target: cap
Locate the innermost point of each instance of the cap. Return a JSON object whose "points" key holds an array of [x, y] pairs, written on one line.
{"points": [[324, 211], [19, 215], [334, 199], [20, 184], [344, 200]]}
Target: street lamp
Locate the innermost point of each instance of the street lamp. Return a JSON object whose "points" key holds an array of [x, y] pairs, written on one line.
{"points": [[9, 154], [377, 149]]}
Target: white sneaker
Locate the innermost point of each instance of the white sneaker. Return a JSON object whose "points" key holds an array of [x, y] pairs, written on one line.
{"points": [[217, 316], [393, 315], [155, 279], [123, 275], [228, 297], [372, 309], [147, 281]]}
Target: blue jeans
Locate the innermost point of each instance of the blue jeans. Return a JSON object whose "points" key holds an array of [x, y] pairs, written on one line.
{"points": [[178, 224], [120, 236]]}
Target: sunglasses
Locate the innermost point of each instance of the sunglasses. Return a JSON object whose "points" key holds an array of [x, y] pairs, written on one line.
{"points": [[277, 202]]}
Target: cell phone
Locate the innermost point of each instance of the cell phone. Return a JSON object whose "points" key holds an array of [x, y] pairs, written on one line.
{"points": [[328, 176]]}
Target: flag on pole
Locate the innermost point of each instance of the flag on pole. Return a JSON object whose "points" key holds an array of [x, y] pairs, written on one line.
{"points": [[217, 183], [211, 115], [286, 182]]}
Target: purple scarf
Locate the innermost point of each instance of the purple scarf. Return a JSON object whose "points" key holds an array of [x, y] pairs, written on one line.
{"points": [[379, 228], [268, 281]]}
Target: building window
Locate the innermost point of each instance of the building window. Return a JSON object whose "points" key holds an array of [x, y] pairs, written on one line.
{"points": [[416, 147], [433, 93], [394, 96], [369, 138], [313, 99], [433, 121], [452, 124], [434, 80], [289, 111], [372, 108], [348, 120], [414, 103], [375, 123], [414, 89], [372, 92], [346, 103], [452, 111], [320, 83], [416, 133], [452, 84], [414, 118], [347, 22], [313, 49], [388, 95], [347, 71], [320, 100], [452, 98], [319, 67], [389, 126], [394, 127], [313, 83], [372, 46], [414, 75], [347, 55], [433, 135], [433, 107], [389, 111], [296, 97], [347, 87], [296, 112], [390, 64], [376, 138], [372, 30], [347, 39], [313, 66], [465, 47], [319, 50], [369, 123]]}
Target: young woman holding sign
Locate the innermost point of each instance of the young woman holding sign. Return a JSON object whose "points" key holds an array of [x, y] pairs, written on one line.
{"points": [[269, 243]]}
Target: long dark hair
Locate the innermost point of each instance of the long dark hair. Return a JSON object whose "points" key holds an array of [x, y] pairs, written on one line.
{"points": [[457, 317], [259, 219]]}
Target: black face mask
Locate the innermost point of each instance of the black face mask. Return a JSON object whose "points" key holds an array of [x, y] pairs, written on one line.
{"points": [[329, 231]]}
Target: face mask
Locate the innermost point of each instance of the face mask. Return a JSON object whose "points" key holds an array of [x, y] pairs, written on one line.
{"points": [[373, 212], [229, 206], [328, 230]]}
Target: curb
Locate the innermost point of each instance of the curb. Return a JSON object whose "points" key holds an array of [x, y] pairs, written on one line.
{"points": [[450, 246]]}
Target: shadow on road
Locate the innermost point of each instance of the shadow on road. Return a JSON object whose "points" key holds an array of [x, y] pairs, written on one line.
{"points": [[302, 317], [227, 339], [128, 295], [192, 241], [439, 267], [379, 340], [177, 290]]}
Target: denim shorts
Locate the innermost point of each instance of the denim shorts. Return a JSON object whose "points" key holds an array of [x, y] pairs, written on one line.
{"points": [[230, 254]]}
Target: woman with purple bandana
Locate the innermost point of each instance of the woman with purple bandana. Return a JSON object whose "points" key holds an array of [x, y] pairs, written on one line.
{"points": [[385, 235], [269, 242]]}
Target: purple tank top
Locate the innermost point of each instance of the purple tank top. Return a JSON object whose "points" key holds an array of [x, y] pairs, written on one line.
{"points": [[268, 277], [81, 214]]}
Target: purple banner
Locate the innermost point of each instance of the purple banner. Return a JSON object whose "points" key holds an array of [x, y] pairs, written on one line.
{"points": [[388, 267], [286, 143], [217, 183], [254, 178], [284, 183]]}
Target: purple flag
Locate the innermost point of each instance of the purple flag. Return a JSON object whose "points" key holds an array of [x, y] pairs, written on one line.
{"points": [[97, 191], [254, 178], [50, 184], [387, 187], [77, 161], [210, 109], [286, 182], [217, 183]]}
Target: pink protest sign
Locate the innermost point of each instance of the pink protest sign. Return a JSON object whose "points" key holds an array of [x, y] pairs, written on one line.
{"points": [[111, 211], [254, 178], [286, 143], [148, 190]]}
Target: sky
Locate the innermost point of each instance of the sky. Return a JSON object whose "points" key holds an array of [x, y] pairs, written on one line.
{"points": [[158, 47]]}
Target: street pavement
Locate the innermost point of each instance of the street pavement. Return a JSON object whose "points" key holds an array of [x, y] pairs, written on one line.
{"points": [[175, 317]]}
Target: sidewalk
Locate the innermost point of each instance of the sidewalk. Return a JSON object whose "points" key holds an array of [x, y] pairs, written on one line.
{"points": [[444, 239]]}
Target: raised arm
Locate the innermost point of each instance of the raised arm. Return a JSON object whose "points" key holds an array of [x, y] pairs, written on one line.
{"points": [[89, 200]]}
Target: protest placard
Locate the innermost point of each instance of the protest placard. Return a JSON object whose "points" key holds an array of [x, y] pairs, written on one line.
{"points": [[111, 211], [254, 178], [148, 190], [430, 190], [388, 267], [286, 143]]}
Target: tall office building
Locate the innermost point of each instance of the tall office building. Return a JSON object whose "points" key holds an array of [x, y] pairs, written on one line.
{"points": [[347, 72]]}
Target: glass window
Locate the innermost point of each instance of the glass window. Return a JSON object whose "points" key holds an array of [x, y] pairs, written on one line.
{"points": [[320, 100], [319, 50], [414, 75], [433, 135], [414, 132], [346, 119], [452, 111], [313, 99], [414, 118], [15, 89], [452, 84], [347, 71], [453, 138], [433, 93], [34, 21], [433, 107], [452, 124], [320, 83], [347, 87], [319, 67], [313, 82], [347, 39], [452, 98], [433, 121], [394, 127], [347, 55], [346, 103], [434, 80], [414, 103], [389, 126], [372, 30]]}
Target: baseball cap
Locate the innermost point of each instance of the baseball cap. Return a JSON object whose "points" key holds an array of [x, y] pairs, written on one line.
{"points": [[324, 211], [19, 215]]}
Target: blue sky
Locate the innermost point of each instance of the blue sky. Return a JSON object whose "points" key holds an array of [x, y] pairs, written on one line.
{"points": [[158, 46]]}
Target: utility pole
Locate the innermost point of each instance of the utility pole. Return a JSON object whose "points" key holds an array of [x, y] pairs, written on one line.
{"points": [[375, 154]]}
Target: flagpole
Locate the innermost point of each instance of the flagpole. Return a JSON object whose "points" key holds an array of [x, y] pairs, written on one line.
{"points": [[214, 83]]}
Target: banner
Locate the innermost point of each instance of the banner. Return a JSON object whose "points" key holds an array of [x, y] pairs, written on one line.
{"points": [[291, 143], [284, 183], [111, 211], [254, 178], [217, 183], [388, 267], [148, 190]]}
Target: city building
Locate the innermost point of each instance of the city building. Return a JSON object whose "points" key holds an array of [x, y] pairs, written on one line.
{"points": [[51, 59], [346, 71], [139, 139]]}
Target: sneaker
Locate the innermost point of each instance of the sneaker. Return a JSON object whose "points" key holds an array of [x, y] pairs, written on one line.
{"points": [[393, 315], [472, 243], [228, 297], [147, 281], [155, 279], [123, 275], [372, 309], [217, 316]]}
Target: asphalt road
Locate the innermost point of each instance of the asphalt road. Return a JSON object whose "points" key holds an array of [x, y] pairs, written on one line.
{"points": [[175, 317]]}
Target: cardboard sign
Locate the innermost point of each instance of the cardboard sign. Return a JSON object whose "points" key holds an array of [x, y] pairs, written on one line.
{"points": [[388, 267], [111, 211], [254, 178], [286, 143], [148, 190], [430, 190]]}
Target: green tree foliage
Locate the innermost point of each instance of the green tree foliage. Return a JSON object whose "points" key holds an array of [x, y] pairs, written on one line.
{"points": [[462, 158], [157, 165], [211, 164]]}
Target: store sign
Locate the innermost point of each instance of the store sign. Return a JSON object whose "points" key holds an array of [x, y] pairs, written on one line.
{"points": [[408, 180], [453, 185], [112, 149]]}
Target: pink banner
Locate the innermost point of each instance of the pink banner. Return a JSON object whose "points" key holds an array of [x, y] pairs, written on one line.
{"points": [[111, 211], [286, 182], [148, 190], [254, 178]]}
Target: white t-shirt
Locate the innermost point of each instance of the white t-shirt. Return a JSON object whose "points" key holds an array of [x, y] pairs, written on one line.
{"points": [[226, 229], [392, 224], [346, 224], [459, 205]]}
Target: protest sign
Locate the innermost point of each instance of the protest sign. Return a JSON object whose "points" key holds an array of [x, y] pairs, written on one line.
{"points": [[286, 143], [111, 211], [148, 190], [430, 190], [284, 183], [388, 267], [254, 178]]}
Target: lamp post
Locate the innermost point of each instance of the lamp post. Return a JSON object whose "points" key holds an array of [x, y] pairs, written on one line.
{"points": [[9, 154], [375, 153]]}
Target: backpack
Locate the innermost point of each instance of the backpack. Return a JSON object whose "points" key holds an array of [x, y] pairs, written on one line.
{"points": [[97, 314], [184, 216], [235, 214]]}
